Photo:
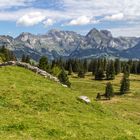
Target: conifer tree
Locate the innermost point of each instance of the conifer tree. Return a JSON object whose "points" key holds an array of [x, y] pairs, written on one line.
{"points": [[109, 92], [110, 72], [81, 74], [64, 78], [76, 66], [7, 55], [99, 75], [117, 66], [125, 85], [23, 59], [70, 69], [27, 59], [127, 70], [134, 67], [85, 66], [43, 63], [138, 67], [94, 66]]}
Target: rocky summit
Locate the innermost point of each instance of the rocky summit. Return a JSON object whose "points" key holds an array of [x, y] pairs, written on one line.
{"points": [[69, 44]]}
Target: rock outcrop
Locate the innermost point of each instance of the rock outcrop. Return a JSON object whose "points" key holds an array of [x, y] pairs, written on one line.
{"points": [[32, 68]]}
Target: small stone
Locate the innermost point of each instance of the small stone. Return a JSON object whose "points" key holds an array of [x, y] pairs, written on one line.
{"points": [[84, 98]]}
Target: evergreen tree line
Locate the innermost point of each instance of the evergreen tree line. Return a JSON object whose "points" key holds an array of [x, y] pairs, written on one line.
{"points": [[6, 54], [101, 68]]}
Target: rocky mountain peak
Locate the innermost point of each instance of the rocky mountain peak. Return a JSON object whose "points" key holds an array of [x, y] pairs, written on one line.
{"points": [[58, 43], [24, 36], [106, 33]]}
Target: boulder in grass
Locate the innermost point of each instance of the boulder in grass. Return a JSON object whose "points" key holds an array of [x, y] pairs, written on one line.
{"points": [[64, 85], [84, 99]]}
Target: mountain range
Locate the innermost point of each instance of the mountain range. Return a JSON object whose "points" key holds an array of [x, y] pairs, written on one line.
{"points": [[69, 44]]}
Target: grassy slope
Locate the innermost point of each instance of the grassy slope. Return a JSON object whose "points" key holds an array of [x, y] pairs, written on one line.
{"points": [[32, 107]]}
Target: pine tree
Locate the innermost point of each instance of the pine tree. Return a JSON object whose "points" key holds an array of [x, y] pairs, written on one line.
{"points": [[81, 74], [27, 59], [99, 75], [23, 59], [125, 85], [64, 78], [110, 72], [117, 66], [134, 67], [76, 66], [94, 66], [43, 63], [70, 69], [109, 92], [127, 70], [138, 68], [85, 66], [7, 55]]}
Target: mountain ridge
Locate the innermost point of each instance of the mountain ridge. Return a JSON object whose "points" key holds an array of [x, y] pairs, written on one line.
{"points": [[57, 43]]}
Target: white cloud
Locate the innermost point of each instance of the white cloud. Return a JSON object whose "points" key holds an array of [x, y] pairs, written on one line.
{"points": [[31, 19], [48, 22], [78, 12], [115, 17], [83, 20], [8, 3]]}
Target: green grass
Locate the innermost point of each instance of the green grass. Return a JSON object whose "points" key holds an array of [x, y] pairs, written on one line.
{"points": [[34, 108]]}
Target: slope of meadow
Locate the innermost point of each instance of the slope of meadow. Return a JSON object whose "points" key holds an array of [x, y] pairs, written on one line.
{"points": [[34, 108]]}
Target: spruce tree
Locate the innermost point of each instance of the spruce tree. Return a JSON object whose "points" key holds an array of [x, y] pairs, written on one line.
{"points": [[117, 66], [138, 67], [81, 74], [85, 66], [94, 66], [110, 72], [7, 55], [43, 63], [125, 85], [134, 67], [109, 92], [27, 59], [127, 70], [64, 79], [70, 69], [99, 74], [76, 66], [23, 59]]}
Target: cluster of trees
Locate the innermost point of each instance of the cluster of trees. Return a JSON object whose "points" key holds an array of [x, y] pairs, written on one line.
{"points": [[101, 68], [25, 58], [6, 55], [124, 88]]}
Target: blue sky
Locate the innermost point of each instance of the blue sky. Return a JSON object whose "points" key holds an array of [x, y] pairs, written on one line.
{"points": [[121, 17]]}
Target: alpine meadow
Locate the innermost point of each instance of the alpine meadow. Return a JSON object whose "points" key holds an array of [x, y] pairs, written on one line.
{"points": [[69, 70]]}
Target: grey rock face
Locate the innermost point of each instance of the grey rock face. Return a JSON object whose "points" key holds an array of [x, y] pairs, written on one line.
{"points": [[70, 44]]}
